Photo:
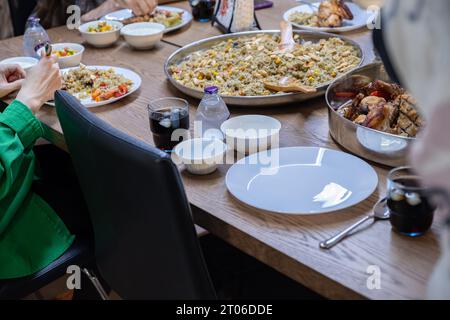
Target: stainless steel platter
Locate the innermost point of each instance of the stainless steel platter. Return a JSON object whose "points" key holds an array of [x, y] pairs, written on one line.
{"points": [[251, 101], [384, 148]]}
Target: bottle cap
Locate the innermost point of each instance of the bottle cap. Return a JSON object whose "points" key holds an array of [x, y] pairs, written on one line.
{"points": [[33, 19], [211, 90]]}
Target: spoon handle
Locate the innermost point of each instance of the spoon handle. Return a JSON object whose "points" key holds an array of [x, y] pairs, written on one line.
{"points": [[330, 243]]}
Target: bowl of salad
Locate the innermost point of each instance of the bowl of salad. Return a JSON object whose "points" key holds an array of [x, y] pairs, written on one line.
{"points": [[101, 33], [68, 54]]}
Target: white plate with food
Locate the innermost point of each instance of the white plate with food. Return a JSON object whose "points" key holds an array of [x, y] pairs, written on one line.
{"points": [[96, 86], [172, 18], [301, 180], [330, 16]]}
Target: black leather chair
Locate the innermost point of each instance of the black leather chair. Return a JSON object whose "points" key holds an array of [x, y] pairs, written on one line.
{"points": [[146, 246]]}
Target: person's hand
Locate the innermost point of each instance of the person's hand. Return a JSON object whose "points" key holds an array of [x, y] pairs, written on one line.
{"points": [[11, 78], [139, 7], [41, 83]]}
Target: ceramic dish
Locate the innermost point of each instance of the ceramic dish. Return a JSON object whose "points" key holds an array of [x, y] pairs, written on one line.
{"points": [[142, 35], [251, 133], [101, 39], [69, 60], [301, 180], [362, 18], [124, 14], [25, 62], [201, 156]]}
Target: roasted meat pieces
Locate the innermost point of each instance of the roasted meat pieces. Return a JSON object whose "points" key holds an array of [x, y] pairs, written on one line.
{"points": [[331, 13], [382, 106]]}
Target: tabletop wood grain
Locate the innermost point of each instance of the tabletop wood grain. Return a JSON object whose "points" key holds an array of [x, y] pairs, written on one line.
{"points": [[289, 244]]}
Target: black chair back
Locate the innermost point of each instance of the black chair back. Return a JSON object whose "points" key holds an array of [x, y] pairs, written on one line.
{"points": [[146, 246]]}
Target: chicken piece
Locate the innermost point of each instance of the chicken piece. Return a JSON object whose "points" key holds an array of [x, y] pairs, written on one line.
{"points": [[332, 12], [409, 121], [405, 125], [368, 103], [361, 119], [379, 117], [354, 110], [379, 88]]}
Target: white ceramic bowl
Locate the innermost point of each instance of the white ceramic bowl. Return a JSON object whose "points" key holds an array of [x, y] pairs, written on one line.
{"points": [[25, 62], [251, 133], [69, 61], [101, 39], [201, 156], [143, 35]]}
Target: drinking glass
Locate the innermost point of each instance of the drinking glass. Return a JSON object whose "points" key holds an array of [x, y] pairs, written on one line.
{"points": [[169, 122], [410, 203], [202, 10]]}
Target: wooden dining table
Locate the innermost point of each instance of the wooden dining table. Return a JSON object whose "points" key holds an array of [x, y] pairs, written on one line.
{"points": [[287, 243]]}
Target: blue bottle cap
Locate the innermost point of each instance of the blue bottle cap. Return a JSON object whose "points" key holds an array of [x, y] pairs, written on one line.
{"points": [[211, 90]]}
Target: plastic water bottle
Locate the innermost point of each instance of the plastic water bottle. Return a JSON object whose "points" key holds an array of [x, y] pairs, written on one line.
{"points": [[34, 38], [212, 112]]}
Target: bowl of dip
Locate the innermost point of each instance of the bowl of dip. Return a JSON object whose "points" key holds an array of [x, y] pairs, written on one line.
{"points": [[201, 156], [25, 62], [143, 35]]}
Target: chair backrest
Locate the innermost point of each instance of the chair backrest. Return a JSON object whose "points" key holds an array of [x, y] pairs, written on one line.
{"points": [[145, 240]]}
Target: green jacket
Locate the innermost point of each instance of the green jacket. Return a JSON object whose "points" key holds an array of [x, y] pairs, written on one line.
{"points": [[31, 234]]}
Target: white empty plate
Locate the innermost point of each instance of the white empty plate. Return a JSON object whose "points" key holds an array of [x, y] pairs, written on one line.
{"points": [[361, 18], [301, 180]]}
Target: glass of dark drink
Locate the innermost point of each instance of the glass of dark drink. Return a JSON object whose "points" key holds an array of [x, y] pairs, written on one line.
{"points": [[169, 122], [410, 203], [202, 10]]}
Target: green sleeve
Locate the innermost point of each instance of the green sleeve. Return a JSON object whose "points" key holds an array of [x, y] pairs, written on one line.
{"points": [[19, 129]]}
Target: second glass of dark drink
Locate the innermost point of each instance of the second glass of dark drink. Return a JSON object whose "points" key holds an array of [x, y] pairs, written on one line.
{"points": [[410, 204], [169, 122], [202, 10]]}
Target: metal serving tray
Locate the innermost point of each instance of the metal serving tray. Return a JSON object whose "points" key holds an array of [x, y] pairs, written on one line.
{"points": [[384, 148], [251, 101]]}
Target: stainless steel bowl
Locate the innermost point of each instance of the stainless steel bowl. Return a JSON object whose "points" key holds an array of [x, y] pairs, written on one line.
{"points": [[252, 101], [377, 146]]}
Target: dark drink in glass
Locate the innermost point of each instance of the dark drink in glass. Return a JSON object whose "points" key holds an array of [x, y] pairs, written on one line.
{"points": [[410, 206], [202, 10], [169, 122]]}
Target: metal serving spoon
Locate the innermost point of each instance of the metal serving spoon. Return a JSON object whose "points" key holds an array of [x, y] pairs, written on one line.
{"points": [[287, 84], [380, 212]]}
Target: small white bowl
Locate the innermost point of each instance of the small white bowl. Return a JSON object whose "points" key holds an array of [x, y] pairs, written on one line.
{"points": [[101, 39], [25, 62], [251, 133], [201, 156], [143, 35], [69, 61]]}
